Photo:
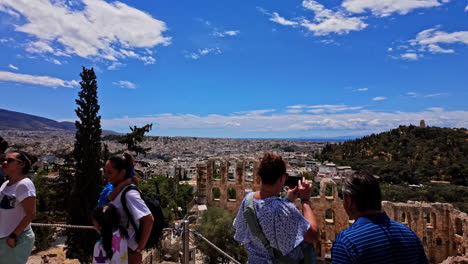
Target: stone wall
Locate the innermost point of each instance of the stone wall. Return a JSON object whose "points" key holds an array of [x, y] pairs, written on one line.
{"points": [[442, 229]]}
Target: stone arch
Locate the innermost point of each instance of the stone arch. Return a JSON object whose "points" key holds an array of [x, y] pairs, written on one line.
{"points": [[328, 189], [232, 194], [403, 218], [329, 216], [232, 173], [217, 169], [249, 170], [439, 241], [216, 193], [433, 220]]}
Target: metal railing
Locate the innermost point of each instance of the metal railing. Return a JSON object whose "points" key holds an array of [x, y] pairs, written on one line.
{"points": [[185, 238]]}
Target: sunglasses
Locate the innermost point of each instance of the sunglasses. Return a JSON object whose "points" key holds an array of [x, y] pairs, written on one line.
{"points": [[10, 160]]}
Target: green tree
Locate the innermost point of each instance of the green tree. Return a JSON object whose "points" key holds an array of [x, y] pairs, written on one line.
{"points": [[216, 226], [87, 182], [134, 138]]}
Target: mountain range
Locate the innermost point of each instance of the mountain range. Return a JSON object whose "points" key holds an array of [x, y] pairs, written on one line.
{"points": [[11, 120]]}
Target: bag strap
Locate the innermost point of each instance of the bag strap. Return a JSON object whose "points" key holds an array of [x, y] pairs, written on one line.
{"points": [[123, 199], [250, 217]]}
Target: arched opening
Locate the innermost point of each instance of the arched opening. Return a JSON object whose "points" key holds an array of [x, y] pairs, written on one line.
{"points": [[329, 190], [433, 220], [217, 170], [216, 194], [439, 241], [329, 216], [249, 171], [232, 170], [458, 227], [232, 194], [403, 218]]}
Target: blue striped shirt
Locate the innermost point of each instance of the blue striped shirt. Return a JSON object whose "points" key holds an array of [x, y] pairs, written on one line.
{"points": [[377, 239]]}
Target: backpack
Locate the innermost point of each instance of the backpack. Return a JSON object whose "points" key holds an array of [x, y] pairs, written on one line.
{"points": [[156, 210], [250, 217]]}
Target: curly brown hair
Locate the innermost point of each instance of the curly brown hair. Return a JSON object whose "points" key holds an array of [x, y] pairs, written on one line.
{"points": [[272, 167]]}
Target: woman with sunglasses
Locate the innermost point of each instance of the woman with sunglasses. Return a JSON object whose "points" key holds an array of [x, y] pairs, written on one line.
{"points": [[17, 208]]}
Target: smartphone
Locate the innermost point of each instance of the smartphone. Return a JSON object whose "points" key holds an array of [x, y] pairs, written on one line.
{"points": [[292, 181]]}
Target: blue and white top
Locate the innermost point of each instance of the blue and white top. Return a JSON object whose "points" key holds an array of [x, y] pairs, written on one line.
{"points": [[282, 224]]}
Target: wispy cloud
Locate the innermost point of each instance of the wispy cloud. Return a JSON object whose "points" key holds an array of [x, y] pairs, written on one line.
{"points": [[327, 21], [244, 122], [11, 66], [115, 65], [281, 20], [226, 33], [38, 80], [466, 8], [386, 8], [379, 98], [436, 95], [325, 108], [431, 41], [203, 52], [125, 84], [361, 90], [410, 56], [110, 31]]}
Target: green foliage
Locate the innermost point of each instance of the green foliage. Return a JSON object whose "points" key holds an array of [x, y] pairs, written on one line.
{"points": [[170, 195], [87, 181], [437, 192], [407, 154], [231, 193], [216, 226], [134, 138]]}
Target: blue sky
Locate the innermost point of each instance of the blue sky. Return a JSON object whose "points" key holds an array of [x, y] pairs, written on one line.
{"points": [[238, 69]]}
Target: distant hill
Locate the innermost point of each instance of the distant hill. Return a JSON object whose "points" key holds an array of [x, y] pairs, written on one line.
{"points": [[407, 154], [11, 120]]}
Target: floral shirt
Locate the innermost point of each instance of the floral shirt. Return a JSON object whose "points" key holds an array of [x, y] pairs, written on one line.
{"points": [[119, 251], [282, 224]]}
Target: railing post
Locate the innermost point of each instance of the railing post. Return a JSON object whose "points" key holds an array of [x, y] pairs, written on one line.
{"points": [[185, 239]]}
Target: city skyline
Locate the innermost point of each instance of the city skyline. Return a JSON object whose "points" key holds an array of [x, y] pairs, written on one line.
{"points": [[254, 69]]}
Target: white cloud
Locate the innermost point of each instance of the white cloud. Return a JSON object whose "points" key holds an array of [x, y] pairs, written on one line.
{"points": [[431, 39], [466, 8], [387, 7], [203, 52], [361, 90], [412, 94], [363, 121], [115, 65], [11, 66], [436, 95], [39, 80], [296, 106], [410, 56], [379, 98], [109, 31], [327, 21], [281, 20], [226, 33], [294, 111], [125, 84]]}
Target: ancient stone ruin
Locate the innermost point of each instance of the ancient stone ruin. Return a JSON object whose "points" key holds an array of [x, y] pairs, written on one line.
{"points": [[442, 229]]}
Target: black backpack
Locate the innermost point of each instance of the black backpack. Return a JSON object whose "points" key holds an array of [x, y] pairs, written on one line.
{"points": [[156, 210]]}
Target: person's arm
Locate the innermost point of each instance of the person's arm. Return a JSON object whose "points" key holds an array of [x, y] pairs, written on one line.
{"points": [[312, 234], [135, 179], [147, 225], [305, 191], [29, 207]]}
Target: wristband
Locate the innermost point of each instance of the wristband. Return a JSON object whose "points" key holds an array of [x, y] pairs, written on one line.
{"points": [[12, 235]]}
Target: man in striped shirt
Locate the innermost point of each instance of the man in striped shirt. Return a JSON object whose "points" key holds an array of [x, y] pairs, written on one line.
{"points": [[374, 237]]}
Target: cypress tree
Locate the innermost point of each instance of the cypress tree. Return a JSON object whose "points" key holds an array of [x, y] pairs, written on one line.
{"points": [[87, 182]]}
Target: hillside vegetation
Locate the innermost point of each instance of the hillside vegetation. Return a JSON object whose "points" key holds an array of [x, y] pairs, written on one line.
{"points": [[407, 154]]}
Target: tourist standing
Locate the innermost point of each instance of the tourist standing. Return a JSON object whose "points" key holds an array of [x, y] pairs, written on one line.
{"points": [[17, 208], [117, 169], [3, 147], [272, 229], [373, 237]]}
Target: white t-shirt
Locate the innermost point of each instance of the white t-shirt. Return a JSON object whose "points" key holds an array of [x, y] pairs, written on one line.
{"points": [[137, 208], [119, 251], [11, 209]]}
